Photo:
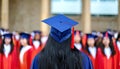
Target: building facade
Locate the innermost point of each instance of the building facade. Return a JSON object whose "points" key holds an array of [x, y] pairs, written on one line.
{"points": [[26, 15]]}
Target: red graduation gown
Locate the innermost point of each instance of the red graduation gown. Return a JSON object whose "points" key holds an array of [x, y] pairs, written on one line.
{"points": [[36, 51], [10, 62], [84, 41], [27, 59], [103, 62], [117, 56], [118, 59]]}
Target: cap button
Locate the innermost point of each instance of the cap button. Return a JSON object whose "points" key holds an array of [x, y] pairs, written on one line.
{"points": [[60, 21]]}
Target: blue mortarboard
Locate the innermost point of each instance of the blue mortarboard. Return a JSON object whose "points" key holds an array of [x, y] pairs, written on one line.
{"points": [[60, 27], [24, 35], [77, 32], [37, 32], [91, 36], [8, 35], [106, 34]]}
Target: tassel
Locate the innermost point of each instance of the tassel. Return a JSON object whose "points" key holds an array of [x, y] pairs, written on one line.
{"points": [[72, 41], [106, 34], [30, 41], [78, 33]]}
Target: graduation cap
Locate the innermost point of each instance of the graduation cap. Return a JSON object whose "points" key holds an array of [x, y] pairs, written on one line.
{"points": [[108, 35], [77, 32], [91, 36], [60, 27], [7, 35], [60, 22], [24, 35], [37, 32], [94, 33]]}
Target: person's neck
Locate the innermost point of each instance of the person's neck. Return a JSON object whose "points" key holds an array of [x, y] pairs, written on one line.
{"points": [[25, 45], [92, 46], [107, 46], [7, 44]]}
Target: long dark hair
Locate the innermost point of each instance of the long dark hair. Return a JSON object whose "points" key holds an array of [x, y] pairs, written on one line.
{"points": [[2, 46], [82, 43], [59, 56], [102, 46], [118, 37]]}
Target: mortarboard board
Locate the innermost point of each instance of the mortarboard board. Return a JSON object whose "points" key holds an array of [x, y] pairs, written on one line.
{"points": [[77, 32], [91, 36], [37, 32], [60, 22], [60, 27], [7, 35], [108, 35], [24, 35]]}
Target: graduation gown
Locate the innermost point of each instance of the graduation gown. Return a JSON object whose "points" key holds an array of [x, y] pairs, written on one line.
{"points": [[25, 57], [10, 61], [86, 62], [93, 59], [117, 56], [16, 43], [84, 40], [37, 50], [103, 62]]}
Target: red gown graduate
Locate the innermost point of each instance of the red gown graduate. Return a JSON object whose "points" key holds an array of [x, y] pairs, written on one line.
{"points": [[106, 58], [91, 49], [26, 52], [36, 43], [8, 55]]}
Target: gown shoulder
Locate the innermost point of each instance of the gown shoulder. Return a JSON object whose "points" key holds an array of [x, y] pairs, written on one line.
{"points": [[86, 62]]}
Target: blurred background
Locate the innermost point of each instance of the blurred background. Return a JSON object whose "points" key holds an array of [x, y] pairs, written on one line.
{"points": [[92, 15]]}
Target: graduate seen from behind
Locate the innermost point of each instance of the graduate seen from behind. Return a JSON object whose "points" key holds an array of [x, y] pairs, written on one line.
{"points": [[59, 51], [8, 53]]}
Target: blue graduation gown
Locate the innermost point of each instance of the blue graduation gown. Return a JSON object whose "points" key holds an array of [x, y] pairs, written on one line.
{"points": [[35, 63], [86, 62]]}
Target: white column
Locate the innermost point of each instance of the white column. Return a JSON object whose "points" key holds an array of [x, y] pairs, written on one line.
{"points": [[45, 12], [86, 16], [5, 14]]}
